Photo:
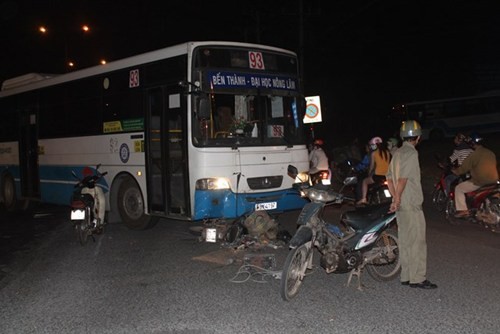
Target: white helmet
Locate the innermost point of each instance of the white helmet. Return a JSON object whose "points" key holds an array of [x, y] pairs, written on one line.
{"points": [[373, 142], [409, 129]]}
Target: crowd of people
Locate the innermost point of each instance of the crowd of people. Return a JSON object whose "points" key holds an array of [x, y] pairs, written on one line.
{"points": [[399, 165]]}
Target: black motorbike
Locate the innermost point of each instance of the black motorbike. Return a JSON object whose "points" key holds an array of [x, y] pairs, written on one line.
{"points": [[365, 241], [88, 206]]}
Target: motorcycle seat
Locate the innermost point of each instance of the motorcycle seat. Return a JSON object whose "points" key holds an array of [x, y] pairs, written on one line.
{"points": [[80, 201], [364, 216]]}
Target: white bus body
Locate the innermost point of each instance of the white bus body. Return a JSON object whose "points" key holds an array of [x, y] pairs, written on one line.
{"points": [[164, 126]]}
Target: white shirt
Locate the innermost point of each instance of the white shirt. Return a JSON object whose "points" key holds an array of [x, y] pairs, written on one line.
{"points": [[318, 160]]}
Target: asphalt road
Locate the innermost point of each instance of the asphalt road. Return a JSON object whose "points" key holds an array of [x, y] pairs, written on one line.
{"points": [[165, 280]]}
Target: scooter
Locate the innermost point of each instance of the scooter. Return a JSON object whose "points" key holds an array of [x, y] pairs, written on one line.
{"points": [[88, 205], [483, 204], [323, 177], [366, 241], [377, 193]]}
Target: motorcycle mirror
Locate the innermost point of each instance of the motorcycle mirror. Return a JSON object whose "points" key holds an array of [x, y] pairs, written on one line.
{"points": [[350, 180], [292, 171]]}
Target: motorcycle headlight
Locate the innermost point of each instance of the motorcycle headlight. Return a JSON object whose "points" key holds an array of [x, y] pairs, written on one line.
{"points": [[212, 183], [302, 177]]}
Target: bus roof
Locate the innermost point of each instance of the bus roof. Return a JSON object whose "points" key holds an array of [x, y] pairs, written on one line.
{"points": [[33, 81], [25, 79]]}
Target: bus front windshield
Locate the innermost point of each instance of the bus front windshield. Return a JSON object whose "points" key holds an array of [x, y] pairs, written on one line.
{"points": [[248, 120]]}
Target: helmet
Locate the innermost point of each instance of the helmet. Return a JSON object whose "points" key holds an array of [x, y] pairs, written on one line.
{"points": [[393, 141], [460, 136], [475, 138], [318, 142], [410, 128], [375, 141]]}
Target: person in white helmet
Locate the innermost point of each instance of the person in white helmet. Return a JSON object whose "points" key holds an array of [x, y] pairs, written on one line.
{"points": [[403, 180], [379, 163]]}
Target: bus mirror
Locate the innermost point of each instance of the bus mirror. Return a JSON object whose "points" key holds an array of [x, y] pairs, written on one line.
{"points": [[203, 107]]}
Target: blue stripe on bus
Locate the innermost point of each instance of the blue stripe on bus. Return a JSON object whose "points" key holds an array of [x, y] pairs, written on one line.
{"points": [[226, 204], [56, 182]]}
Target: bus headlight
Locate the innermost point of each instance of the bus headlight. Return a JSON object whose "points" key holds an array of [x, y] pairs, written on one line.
{"points": [[213, 183]]}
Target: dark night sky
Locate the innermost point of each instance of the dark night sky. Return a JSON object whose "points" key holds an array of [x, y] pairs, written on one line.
{"points": [[360, 56]]}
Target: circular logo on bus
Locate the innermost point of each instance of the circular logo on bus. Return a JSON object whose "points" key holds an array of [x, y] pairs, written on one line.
{"points": [[124, 153]]}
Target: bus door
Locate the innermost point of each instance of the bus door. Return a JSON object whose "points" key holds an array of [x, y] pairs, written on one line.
{"points": [[28, 149], [167, 154]]}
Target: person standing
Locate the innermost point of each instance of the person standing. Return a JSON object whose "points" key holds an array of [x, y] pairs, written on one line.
{"points": [[482, 165], [403, 178]]}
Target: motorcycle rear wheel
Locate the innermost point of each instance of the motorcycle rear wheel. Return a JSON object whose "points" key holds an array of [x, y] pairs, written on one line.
{"points": [[294, 272], [82, 233], [386, 266]]}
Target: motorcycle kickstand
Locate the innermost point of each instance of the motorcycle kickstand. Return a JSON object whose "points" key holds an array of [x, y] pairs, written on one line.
{"points": [[356, 272]]}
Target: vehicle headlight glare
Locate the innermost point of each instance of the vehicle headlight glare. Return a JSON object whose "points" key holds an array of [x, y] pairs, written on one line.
{"points": [[213, 183], [302, 178]]}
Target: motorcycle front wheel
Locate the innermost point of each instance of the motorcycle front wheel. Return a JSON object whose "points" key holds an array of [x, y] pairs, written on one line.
{"points": [[294, 272], [450, 211], [439, 199], [386, 266]]}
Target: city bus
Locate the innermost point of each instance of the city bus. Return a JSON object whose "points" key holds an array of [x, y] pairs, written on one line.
{"points": [[443, 118], [199, 130]]}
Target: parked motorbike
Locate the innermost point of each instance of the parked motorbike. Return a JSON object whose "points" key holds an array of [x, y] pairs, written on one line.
{"points": [[365, 241], [88, 205], [483, 205]]}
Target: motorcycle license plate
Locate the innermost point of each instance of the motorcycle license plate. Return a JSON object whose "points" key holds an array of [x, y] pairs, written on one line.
{"points": [[77, 214], [266, 206]]}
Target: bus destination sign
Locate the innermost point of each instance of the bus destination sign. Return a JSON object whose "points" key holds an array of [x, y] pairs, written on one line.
{"points": [[246, 80]]}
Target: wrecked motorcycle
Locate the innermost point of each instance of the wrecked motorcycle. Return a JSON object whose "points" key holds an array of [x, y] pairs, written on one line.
{"points": [[366, 242]]}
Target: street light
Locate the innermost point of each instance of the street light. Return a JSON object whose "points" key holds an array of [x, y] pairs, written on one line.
{"points": [[69, 64]]}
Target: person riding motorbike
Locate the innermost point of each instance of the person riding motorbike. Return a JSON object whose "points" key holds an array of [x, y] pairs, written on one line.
{"points": [[482, 166], [461, 151], [379, 163], [318, 161], [392, 144]]}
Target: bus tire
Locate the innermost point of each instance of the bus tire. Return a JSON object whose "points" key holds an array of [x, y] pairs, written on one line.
{"points": [[9, 197], [131, 206]]}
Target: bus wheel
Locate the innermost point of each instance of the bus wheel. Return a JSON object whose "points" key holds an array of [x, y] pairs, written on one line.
{"points": [[131, 206], [9, 192]]}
